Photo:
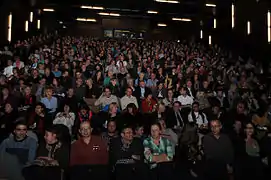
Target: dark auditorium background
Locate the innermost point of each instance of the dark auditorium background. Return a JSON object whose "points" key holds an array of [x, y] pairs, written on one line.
{"points": [[134, 18]]}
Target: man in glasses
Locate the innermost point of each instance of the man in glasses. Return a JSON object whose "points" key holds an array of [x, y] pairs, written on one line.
{"points": [[17, 151]]}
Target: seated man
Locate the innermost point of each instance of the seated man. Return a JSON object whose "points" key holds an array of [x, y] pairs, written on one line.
{"points": [[89, 155], [88, 149], [17, 151], [52, 158], [126, 156]]}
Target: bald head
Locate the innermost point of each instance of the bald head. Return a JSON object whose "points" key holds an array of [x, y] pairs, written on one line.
{"points": [[85, 129]]}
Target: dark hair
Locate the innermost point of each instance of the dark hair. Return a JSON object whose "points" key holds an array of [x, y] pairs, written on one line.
{"points": [[156, 124], [20, 121], [53, 129]]}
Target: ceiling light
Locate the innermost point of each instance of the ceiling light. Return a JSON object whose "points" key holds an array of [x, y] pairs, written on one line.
{"points": [[26, 26], [167, 1], [161, 25], [48, 10], [9, 27], [31, 17], [181, 19], [109, 14], [152, 12], [210, 5], [86, 20], [92, 7]]}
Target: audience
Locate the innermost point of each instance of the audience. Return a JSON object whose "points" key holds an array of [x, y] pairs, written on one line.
{"points": [[132, 109]]}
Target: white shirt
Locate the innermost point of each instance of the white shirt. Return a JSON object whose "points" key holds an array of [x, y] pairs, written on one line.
{"points": [[65, 120], [125, 100], [185, 100], [8, 71], [200, 120]]}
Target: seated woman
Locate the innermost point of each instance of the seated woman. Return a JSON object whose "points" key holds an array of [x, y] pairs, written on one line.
{"points": [[7, 121], [65, 117], [148, 103], [52, 158], [158, 151], [37, 120], [27, 99], [84, 114]]}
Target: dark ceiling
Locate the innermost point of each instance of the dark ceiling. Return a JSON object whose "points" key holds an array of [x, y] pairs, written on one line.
{"points": [[67, 10]]}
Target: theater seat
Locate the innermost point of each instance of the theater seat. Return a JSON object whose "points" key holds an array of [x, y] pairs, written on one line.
{"points": [[86, 172]]}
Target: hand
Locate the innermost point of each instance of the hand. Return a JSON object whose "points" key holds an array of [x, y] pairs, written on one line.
{"points": [[54, 163], [229, 168], [136, 157], [3, 126]]}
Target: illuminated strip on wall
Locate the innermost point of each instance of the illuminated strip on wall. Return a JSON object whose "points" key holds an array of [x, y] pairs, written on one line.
{"points": [[109, 14], [152, 12], [201, 34], [161, 25], [248, 27], [9, 26], [86, 20], [210, 40], [31, 17], [181, 19], [92, 7], [26, 26], [232, 15], [38, 24], [48, 10], [210, 5], [214, 23], [167, 1], [269, 26]]}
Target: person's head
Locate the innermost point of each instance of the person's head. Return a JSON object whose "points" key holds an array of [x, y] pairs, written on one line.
{"points": [[66, 108], [170, 93], [162, 124], [113, 108], [111, 126], [107, 91], [84, 109], [176, 106], [20, 130], [237, 126], [49, 92], [215, 127], [142, 84], [141, 76], [85, 129], [79, 82], [51, 135], [129, 91], [139, 130], [183, 91], [27, 90], [5, 91], [40, 108], [156, 130], [70, 92], [189, 84], [249, 130], [127, 134], [55, 82], [195, 107], [8, 108], [216, 109], [161, 107], [89, 82], [240, 108]]}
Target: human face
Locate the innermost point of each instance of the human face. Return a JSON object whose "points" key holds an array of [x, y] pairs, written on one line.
{"points": [[127, 134], [111, 127], [50, 138], [155, 131], [85, 130], [27, 90], [196, 107], [140, 131], [249, 130], [20, 132], [129, 92], [107, 92], [189, 84], [38, 109], [215, 127], [66, 108], [49, 92], [8, 108]]}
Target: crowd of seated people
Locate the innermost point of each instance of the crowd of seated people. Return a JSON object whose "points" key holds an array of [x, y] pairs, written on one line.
{"points": [[80, 108]]}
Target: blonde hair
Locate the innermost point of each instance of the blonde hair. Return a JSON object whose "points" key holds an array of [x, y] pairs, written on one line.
{"points": [[111, 106]]}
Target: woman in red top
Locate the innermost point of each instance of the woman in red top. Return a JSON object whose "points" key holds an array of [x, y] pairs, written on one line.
{"points": [[148, 104]]}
